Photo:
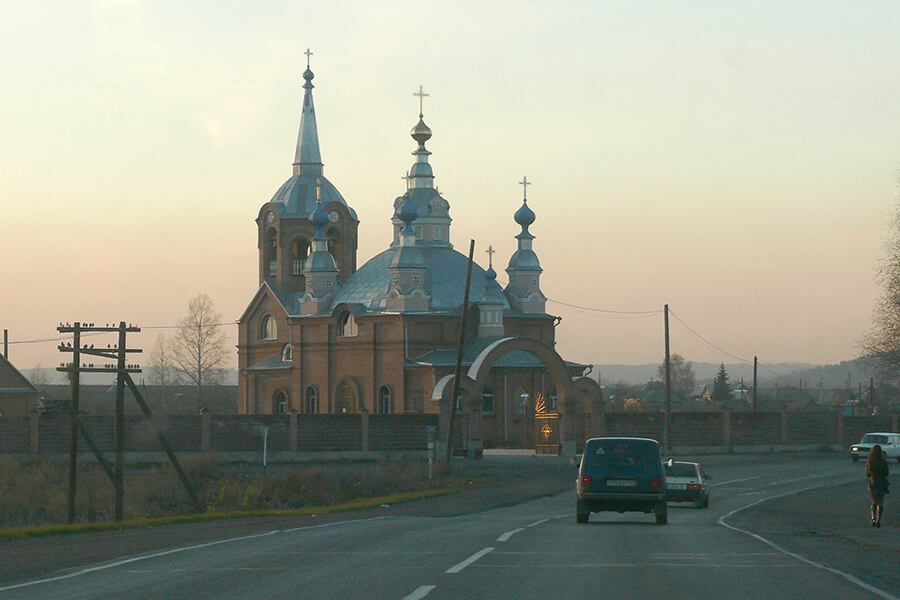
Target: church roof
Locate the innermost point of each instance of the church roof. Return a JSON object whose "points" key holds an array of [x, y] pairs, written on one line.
{"points": [[297, 196], [472, 348], [445, 281], [271, 364]]}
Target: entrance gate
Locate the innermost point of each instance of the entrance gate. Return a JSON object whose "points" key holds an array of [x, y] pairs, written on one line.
{"points": [[546, 433]]}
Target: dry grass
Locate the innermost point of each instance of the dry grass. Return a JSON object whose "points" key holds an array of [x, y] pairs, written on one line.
{"points": [[35, 494]]}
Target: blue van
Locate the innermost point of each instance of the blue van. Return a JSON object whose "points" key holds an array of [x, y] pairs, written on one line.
{"points": [[621, 474]]}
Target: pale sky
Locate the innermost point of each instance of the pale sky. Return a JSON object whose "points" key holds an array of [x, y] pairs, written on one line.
{"points": [[734, 160]]}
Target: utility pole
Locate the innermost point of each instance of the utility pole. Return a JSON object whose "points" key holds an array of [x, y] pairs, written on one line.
{"points": [[668, 384], [459, 352], [755, 364]]}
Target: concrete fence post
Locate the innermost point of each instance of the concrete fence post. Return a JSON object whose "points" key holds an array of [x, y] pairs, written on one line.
{"points": [[205, 423], [364, 427], [293, 431], [34, 435], [840, 429], [726, 428]]}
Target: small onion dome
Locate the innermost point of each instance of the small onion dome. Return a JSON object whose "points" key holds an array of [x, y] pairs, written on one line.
{"points": [[308, 75], [408, 212], [421, 132], [490, 274], [524, 216], [319, 218]]}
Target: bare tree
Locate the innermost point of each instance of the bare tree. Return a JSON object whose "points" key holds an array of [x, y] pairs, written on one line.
{"points": [[682, 373], [39, 377], [881, 345], [162, 367], [198, 349]]}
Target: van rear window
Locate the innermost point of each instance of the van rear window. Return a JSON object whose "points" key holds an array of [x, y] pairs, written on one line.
{"points": [[636, 453], [681, 470]]}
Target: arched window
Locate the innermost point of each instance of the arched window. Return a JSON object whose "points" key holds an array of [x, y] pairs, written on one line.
{"points": [[271, 253], [384, 400], [553, 397], [487, 401], [280, 403], [347, 325], [268, 329], [312, 401], [299, 254], [287, 354]]}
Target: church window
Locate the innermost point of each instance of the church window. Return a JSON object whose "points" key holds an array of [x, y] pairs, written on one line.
{"points": [[287, 353], [280, 403], [384, 400], [534, 281], [268, 328], [418, 230], [416, 279], [487, 401], [347, 325], [553, 397], [335, 245], [312, 400], [299, 254], [437, 232], [271, 252], [394, 280], [328, 283], [459, 402]]}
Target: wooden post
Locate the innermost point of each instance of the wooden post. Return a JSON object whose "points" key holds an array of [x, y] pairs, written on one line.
{"points": [[119, 483], [459, 351], [666, 442], [75, 377]]}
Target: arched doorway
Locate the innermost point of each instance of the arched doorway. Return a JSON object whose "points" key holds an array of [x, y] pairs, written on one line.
{"points": [[346, 400]]}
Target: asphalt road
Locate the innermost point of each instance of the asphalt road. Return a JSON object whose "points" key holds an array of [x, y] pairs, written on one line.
{"points": [[777, 527]]}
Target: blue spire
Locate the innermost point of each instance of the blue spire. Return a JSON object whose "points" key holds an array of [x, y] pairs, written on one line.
{"points": [[307, 158]]}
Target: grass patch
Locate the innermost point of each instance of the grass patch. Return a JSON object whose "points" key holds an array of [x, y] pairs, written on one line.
{"points": [[34, 495]]}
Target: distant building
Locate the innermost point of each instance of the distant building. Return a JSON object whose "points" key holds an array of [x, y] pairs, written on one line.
{"points": [[321, 336], [18, 397]]}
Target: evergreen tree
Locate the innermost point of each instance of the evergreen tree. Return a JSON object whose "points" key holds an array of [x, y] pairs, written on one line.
{"points": [[721, 385]]}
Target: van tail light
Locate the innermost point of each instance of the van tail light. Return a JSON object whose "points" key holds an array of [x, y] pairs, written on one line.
{"points": [[693, 486], [656, 484], [586, 482]]}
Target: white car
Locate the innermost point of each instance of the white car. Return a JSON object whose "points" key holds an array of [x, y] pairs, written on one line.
{"points": [[889, 442]]}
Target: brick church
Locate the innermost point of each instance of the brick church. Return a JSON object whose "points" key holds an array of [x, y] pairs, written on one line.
{"points": [[322, 335]]}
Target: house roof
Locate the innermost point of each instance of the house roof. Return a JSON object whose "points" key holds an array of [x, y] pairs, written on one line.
{"points": [[12, 381]]}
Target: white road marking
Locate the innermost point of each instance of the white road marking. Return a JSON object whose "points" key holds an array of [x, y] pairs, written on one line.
{"points": [[505, 537], [459, 567], [798, 557], [718, 483], [134, 559], [509, 534], [420, 592]]}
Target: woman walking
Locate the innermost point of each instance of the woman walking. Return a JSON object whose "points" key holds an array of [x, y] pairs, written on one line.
{"points": [[877, 472]]}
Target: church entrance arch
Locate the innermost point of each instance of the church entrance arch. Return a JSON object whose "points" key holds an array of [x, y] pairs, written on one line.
{"points": [[573, 396], [346, 398]]}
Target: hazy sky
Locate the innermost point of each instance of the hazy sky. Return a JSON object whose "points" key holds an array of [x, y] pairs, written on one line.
{"points": [[734, 160]]}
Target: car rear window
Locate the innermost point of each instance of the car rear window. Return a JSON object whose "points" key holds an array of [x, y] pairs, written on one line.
{"points": [[681, 470], [626, 453]]}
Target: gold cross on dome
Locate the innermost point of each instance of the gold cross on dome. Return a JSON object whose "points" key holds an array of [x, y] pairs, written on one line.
{"points": [[524, 183], [406, 178], [421, 96], [490, 252], [308, 54]]}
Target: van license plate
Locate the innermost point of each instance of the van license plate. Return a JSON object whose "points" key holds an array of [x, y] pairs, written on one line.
{"points": [[621, 483]]}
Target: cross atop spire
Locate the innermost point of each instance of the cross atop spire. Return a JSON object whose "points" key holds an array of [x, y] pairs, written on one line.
{"points": [[422, 95], [406, 178], [524, 183], [308, 54], [490, 252]]}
